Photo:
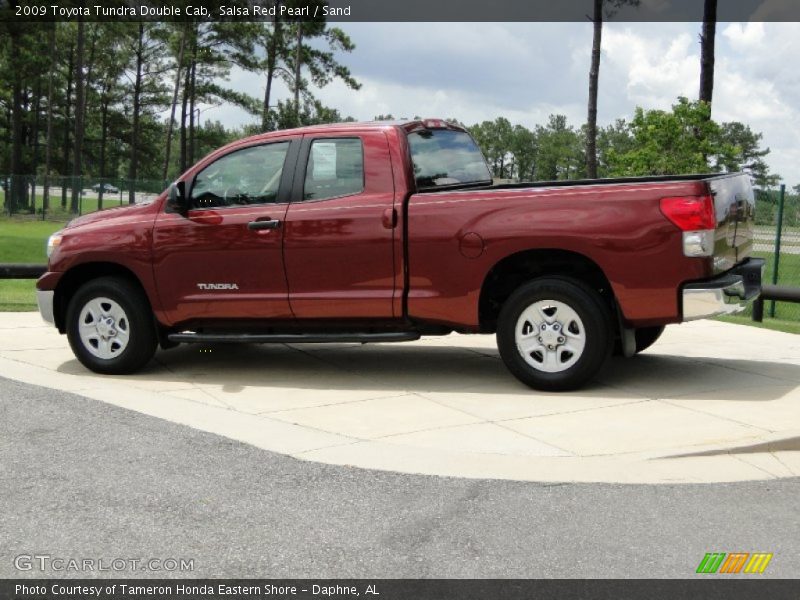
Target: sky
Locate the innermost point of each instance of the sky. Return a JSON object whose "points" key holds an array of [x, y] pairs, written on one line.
{"points": [[527, 71]]}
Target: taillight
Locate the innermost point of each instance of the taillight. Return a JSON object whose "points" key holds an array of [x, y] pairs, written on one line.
{"points": [[690, 213], [694, 215]]}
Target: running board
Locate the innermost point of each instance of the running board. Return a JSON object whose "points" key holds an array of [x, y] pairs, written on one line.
{"points": [[293, 338]]}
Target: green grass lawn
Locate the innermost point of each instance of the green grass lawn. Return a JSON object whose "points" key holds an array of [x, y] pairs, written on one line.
{"points": [[787, 314], [87, 205], [788, 269], [787, 325], [17, 295], [22, 242]]}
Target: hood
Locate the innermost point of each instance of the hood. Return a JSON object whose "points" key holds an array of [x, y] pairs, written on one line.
{"points": [[119, 212]]}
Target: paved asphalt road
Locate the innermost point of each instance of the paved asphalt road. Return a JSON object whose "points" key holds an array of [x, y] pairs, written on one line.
{"points": [[83, 479]]}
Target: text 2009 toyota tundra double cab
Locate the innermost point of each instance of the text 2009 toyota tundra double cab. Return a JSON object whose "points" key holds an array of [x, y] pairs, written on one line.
{"points": [[385, 232]]}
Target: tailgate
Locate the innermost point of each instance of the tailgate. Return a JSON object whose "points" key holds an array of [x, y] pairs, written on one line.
{"points": [[735, 209]]}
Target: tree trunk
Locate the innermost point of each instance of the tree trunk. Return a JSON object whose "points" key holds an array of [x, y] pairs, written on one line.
{"points": [[272, 59], [80, 98], [265, 120], [17, 187], [104, 102], [37, 109], [90, 66], [23, 202], [133, 165], [192, 102], [187, 82], [87, 82], [171, 123], [707, 50], [5, 155], [184, 105], [67, 100], [298, 63], [49, 135], [594, 77]]}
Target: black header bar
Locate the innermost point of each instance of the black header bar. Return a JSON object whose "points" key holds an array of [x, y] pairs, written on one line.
{"points": [[705, 587], [392, 10]]}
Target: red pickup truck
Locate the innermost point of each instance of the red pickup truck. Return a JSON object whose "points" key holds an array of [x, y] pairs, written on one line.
{"points": [[388, 231]]}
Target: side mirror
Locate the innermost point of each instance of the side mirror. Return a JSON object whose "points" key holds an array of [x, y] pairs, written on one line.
{"points": [[177, 201]]}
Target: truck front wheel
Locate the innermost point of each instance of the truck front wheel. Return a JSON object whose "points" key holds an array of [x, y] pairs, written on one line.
{"points": [[554, 334], [109, 326]]}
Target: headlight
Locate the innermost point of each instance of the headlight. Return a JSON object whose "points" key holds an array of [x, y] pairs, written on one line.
{"points": [[53, 242]]}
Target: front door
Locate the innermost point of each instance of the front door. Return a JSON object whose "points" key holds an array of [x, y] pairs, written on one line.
{"points": [[224, 259]]}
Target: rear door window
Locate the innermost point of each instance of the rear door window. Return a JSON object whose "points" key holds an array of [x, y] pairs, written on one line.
{"points": [[335, 168]]}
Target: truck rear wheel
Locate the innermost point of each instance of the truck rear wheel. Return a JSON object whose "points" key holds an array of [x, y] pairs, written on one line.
{"points": [[554, 334], [647, 336], [644, 336], [110, 327]]}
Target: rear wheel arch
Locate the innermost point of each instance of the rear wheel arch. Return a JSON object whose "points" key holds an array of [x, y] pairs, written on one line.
{"points": [[515, 270]]}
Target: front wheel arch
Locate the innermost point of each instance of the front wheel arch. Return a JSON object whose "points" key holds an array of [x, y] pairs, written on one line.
{"points": [[81, 274]]}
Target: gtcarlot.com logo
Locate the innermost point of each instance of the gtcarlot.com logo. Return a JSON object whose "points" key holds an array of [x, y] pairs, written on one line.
{"points": [[45, 562], [731, 563]]}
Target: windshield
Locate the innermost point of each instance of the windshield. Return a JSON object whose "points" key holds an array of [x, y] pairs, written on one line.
{"points": [[443, 157]]}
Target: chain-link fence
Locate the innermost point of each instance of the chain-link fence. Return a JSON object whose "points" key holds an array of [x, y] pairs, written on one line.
{"points": [[59, 198], [777, 239]]}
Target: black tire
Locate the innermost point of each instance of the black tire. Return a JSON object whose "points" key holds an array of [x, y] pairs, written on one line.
{"points": [[644, 336], [647, 336], [593, 324], [138, 323]]}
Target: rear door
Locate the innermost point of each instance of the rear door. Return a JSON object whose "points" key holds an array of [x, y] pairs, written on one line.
{"points": [[224, 259], [340, 226]]}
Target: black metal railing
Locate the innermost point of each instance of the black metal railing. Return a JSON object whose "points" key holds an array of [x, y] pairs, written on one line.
{"points": [[21, 270], [774, 293]]}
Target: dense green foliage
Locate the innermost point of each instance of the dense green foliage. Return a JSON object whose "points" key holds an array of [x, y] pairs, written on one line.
{"points": [[144, 87], [132, 94], [654, 142]]}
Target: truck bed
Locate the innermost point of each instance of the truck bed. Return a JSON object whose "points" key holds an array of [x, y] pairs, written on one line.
{"points": [[601, 181], [618, 223]]}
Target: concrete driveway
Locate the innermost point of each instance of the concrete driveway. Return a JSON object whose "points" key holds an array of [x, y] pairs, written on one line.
{"points": [[710, 402]]}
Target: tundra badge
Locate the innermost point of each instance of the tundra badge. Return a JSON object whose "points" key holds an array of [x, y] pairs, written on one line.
{"points": [[217, 286]]}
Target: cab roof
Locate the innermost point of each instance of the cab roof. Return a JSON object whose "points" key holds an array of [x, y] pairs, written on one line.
{"points": [[408, 125]]}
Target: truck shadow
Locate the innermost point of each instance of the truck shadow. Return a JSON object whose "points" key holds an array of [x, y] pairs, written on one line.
{"points": [[788, 444], [450, 369]]}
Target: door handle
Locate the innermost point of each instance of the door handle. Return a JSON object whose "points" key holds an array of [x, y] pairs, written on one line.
{"points": [[264, 224], [389, 218]]}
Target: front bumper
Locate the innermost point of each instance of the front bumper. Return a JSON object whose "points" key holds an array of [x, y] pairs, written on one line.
{"points": [[45, 301], [724, 295]]}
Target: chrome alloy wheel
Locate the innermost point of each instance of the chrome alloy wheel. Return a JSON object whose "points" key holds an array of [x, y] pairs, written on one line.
{"points": [[104, 328], [550, 336]]}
